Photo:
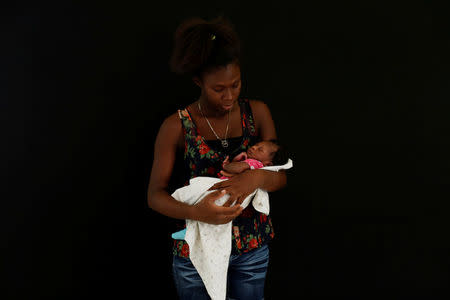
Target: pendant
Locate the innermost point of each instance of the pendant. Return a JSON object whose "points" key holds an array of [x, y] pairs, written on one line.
{"points": [[224, 143]]}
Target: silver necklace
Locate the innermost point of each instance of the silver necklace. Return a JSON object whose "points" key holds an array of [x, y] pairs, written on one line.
{"points": [[224, 141]]}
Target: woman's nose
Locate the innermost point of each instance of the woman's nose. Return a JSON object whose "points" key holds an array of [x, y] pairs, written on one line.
{"points": [[228, 94]]}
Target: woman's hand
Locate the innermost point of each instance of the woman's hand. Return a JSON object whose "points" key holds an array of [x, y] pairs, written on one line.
{"points": [[239, 186], [207, 211]]}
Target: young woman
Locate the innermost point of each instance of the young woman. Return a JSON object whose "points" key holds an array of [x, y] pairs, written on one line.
{"points": [[219, 124]]}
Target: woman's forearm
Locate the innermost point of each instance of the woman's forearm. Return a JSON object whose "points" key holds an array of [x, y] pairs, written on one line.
{"points": [[165, 204], [271, 181]]}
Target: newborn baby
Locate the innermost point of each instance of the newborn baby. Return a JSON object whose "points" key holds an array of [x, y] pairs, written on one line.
{"points": [[259, 155]]}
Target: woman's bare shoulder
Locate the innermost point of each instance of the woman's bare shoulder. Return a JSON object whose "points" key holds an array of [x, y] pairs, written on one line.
{"points": [[171, 128], [260, 110]]}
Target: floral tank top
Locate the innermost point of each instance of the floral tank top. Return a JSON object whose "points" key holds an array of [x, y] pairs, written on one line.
{"points": [[251, 229]]}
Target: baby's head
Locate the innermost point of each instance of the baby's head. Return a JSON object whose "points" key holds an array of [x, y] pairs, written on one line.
{"points": [[269, 153]]}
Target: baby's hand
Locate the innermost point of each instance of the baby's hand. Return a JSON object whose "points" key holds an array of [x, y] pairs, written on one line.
{"points": [[226, 161], [241, 156]]}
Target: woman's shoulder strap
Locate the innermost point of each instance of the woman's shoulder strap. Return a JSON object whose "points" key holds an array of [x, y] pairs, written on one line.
{"points": [[182, 113], [245, 105], [247, 115], [186, 121]]}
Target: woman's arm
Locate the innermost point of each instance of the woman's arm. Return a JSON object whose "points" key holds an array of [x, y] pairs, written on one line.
{"points": [[270, 181], [157, 196], [163, 160], [264, 179]]}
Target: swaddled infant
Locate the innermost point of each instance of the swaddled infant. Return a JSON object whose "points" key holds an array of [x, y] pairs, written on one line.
{"points": [[262, 154]]}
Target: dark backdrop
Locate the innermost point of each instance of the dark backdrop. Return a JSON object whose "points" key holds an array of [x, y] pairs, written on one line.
{"points": [[358, 91]]}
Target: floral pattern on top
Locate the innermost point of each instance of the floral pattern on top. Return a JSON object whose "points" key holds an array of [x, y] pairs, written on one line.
{"points": [[251, 229]]}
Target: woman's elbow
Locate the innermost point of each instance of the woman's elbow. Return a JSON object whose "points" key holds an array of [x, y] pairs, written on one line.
{"points": [[151, 198], [149, 201], [283, 180]]}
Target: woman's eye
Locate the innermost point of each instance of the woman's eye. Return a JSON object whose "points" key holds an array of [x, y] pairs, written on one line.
{"points": [[221, 90]]}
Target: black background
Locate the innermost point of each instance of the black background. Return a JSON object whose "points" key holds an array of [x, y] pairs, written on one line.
{"points": [[358, 91]]}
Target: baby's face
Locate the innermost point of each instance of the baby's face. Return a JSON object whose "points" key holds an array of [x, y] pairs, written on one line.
{"points": [[262, 151]]}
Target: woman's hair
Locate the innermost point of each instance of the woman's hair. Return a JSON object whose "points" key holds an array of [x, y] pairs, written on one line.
{"points": [[281, 156], [200, 46]]}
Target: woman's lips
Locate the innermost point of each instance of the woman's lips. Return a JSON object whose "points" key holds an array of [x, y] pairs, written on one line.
{"points": [[227, 106]]}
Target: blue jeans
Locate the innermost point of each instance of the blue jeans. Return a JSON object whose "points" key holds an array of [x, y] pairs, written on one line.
{"points": [[246, 276]]}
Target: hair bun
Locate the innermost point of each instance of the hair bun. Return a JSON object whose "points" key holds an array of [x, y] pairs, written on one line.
{"points": [[200, 45]]}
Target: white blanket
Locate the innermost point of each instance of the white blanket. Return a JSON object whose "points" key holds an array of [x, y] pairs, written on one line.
{"points": [[210, 245]]}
